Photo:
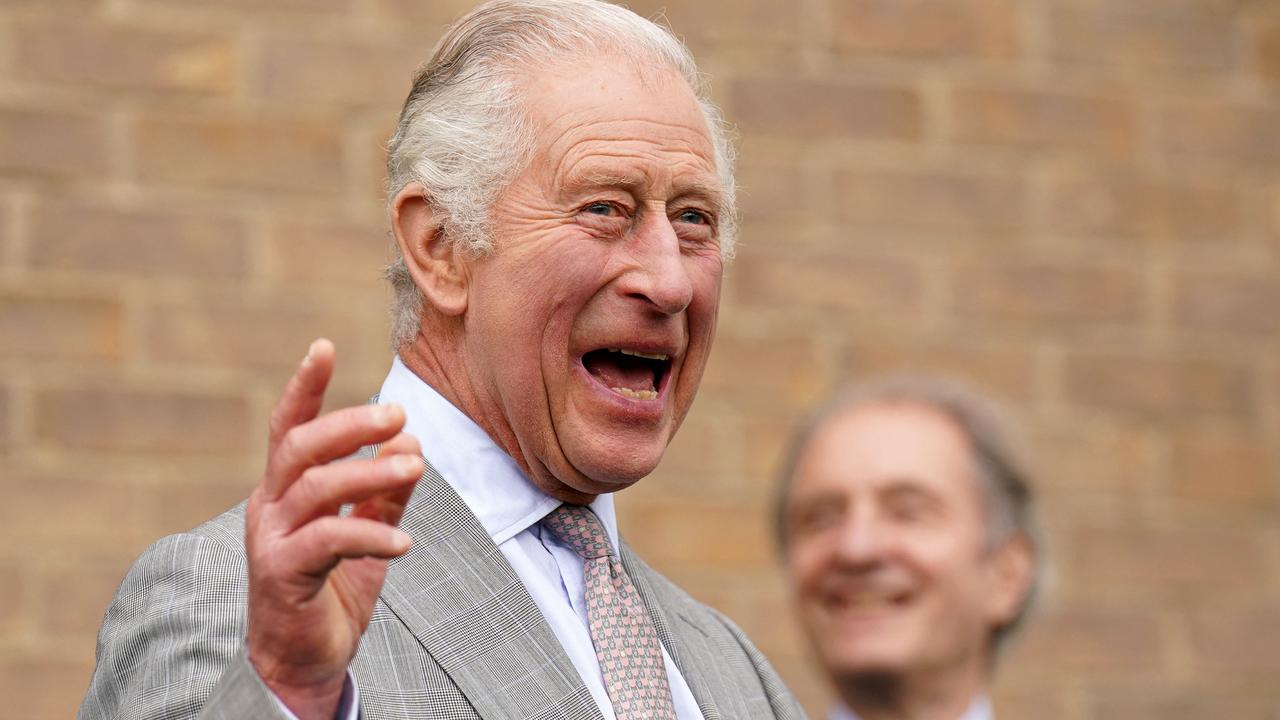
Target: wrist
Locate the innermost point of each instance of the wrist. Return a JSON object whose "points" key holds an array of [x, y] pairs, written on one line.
{"points": [[311, 699]]}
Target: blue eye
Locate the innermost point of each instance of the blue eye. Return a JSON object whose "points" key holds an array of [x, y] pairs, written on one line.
{"points": [[599, 209], [694, 217]]}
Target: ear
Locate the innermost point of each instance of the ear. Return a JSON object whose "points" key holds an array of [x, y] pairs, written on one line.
{"points": [[1010, 568], [437, 265]]}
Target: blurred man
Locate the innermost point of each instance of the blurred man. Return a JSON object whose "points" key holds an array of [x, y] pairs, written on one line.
{"points": [[906, 530], [562, 205]]}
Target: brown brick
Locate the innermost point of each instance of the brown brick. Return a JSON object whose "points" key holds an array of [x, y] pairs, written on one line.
{"points": [[1221, 133], [96, 239], [332, 253], [1040, 702], [115, 56], [747, 365], [931, 28], [142, 421], [772, 190], [1007, 370], [294, 154], [38, 687], [76, 595], [1042, 291], [1117, 35], [71, 505], [6, 417], [821, 109], [1112, 453], [222, 332], [932, 200], [11, 603], [1237, 643], [182, 504], [1177, 564], [49, 327], [52, 143], [372, 73], [762, 22], [1112, 206], [1035, 120], [1096, 643], [83, 6], [254, 7], [728, 537], [432, 16], [828, 284], [1181, 704], [1159, 385], [1211, 463], [1246, 304], [1268, 49]]}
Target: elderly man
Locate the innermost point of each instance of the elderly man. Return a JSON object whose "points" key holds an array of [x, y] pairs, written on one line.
{"points": [[907, 536], [562, 205]]}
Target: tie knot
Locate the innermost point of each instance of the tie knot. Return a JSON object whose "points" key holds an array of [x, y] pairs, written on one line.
{"points": [[579, 528]]}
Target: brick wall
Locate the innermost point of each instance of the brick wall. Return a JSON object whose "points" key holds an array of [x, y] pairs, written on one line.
{"points": [[1075, 202]]}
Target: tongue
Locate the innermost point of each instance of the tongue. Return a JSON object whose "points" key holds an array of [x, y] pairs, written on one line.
{"points": [[619, 371]]}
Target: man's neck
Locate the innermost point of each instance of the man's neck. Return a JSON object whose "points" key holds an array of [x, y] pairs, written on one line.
{"points": [[920, 696]]}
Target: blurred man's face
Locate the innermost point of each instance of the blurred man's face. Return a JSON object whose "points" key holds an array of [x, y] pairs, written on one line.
{"points": [[588, 328], [886, 551]]}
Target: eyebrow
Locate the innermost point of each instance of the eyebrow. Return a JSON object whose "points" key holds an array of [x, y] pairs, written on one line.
{"points": [[708, 191]]}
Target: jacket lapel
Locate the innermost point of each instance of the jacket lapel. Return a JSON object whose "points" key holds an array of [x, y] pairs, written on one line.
{"points": [[684, 640], [461, 599]]}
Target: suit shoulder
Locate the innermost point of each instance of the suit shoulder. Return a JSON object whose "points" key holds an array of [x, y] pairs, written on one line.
{"points": [[674, 598], [177, 619]]}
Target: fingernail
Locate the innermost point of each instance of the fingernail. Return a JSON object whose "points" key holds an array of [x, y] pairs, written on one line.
{"points": [[310, 351], [386, 414], [400, 539], [406, 465]]}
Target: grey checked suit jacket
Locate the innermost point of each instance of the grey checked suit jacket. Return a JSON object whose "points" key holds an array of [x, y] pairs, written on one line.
{"points": [[454, 634]]}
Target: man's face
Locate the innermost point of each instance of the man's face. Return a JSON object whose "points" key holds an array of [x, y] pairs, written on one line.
{"points": [[886, 545], [587, 330]]}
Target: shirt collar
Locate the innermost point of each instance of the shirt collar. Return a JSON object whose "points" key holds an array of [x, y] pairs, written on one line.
{"points": [[979, 709], [504, 501]]}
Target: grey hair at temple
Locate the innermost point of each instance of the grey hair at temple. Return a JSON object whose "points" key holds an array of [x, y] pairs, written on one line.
{"points": [[998, 464], [464, 133]]}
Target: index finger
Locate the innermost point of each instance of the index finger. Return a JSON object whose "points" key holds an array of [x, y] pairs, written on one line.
{"points": [[304, 395]]}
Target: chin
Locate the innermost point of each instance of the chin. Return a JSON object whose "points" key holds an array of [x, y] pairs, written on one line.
{"points": [[617, 473], [865, 662]]}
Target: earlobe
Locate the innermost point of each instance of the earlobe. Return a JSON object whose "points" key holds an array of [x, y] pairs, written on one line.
{"points": [[436, 265]]}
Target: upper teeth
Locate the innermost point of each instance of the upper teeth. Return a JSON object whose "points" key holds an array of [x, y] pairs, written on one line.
{"points": [[637, 353]]}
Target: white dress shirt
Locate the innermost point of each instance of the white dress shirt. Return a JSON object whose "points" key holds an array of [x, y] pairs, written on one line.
{"points": [[979, 709]]}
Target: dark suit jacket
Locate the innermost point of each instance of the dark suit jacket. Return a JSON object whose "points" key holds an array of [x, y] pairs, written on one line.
{"points": [[454, 634]]}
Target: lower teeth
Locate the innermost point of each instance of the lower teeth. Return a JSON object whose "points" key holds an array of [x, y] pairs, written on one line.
{"points": [[636, 394]]}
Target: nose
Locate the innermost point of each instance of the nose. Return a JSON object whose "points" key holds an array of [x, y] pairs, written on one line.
{"points": [[657, 274], [863, 540]]}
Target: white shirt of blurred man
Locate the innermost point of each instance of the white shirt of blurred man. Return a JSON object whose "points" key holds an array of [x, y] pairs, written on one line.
{"points": [[908, 540]]}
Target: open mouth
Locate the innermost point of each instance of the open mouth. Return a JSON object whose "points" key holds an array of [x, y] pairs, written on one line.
{"points": [[629, 373]]}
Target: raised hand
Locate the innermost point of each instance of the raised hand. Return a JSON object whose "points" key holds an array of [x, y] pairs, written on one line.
{"points": [[314, 575]]}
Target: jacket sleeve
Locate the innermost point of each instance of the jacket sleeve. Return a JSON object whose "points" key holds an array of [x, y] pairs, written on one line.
{"points": [[172, 642]]}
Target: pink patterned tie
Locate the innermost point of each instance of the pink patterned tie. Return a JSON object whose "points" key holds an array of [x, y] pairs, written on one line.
{"points": [[626, 645]]}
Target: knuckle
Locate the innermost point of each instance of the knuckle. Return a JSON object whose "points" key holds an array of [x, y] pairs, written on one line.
{"points": [[277, 423], [291, 445]]}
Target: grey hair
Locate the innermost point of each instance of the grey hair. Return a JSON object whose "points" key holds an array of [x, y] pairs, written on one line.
{"points": [[997, 459], [464, 133]]}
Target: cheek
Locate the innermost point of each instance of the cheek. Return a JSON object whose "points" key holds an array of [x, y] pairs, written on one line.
{"points": [[806, 567]]}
